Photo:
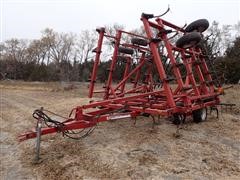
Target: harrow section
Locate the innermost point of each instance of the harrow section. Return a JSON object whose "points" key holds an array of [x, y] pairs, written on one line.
{"points": [[161, 77]]}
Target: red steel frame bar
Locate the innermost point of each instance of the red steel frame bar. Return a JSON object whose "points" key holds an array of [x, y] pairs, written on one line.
{"points": [[190, 77], [137, 68], [158, 61], [138, 72], [114, 60], [96, 62], [200, 75], [170, 54], [206, 72], [126, 72]]}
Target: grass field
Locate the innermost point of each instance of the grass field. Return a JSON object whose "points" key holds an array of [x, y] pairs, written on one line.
{"points": [[116, 150]]}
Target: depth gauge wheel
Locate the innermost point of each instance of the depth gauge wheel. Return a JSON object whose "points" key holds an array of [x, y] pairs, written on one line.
{"points": [[200, 115], [199, 25], [188, 40], [139, 41], [125, 50], [179, 119]]}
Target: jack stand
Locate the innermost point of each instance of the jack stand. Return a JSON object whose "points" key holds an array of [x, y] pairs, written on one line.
{"points": [[38, 140]]}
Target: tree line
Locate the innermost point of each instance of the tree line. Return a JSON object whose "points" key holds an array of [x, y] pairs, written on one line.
{"points": [[68, 57]]}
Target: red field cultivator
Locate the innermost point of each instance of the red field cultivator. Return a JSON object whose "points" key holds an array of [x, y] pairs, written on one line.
{"points": [[161, 78]]}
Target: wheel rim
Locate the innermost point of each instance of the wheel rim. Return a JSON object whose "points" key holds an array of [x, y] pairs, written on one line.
{"points": [[204, 114]]}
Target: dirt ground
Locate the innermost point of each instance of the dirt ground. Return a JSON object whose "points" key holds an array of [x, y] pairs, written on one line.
{"points": [[116, 150]]}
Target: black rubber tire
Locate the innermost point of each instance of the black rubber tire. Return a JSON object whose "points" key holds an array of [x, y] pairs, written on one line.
{"points": [[199, 25], [201, 44], [188, 40], [139, 41], [181, 104], [121, 58], [178, 119], [125, 50], [199, 115]]}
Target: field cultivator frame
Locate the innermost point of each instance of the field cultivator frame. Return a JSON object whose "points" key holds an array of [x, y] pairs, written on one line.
{"points": [[152, 91]]}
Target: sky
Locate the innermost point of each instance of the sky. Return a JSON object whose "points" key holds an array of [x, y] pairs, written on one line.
{"points": [[25, 19]]}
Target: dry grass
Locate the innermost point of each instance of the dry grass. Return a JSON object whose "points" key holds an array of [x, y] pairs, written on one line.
{"points": [[118, 149]]}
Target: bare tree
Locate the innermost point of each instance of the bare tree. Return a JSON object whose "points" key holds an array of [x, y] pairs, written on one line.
{"points": [[237, 29], [14, 51], [220, 38], [86, 43]]}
